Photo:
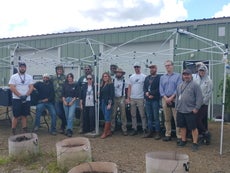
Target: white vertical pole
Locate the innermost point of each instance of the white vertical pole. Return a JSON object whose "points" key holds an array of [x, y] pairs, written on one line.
{"points": [[223, 100], [13, 60], [96, 95], [95, 88]]}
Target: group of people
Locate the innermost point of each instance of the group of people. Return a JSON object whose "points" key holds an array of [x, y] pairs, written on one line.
{"points": [[185, 97]]}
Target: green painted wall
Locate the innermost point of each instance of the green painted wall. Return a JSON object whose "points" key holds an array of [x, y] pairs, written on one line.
{"points": [[75, 45]]}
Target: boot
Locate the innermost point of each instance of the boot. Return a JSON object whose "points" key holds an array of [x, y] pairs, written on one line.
{"points": [[149, 134], [107, 131], [157, 136], [104, 132]]}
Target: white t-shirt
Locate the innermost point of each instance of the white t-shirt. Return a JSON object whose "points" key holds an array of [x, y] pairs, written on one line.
{"points": [[22, 83], [137, 83], [118, 85]]}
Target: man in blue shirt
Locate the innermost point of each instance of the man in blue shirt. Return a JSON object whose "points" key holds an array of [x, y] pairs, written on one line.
{"points": [[168, 86]]}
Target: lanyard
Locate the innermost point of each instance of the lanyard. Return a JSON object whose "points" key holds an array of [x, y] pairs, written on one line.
{"points": [[182, 89], [22, 80]]}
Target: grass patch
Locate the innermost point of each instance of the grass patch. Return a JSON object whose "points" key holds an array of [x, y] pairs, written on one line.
{"points": [[4, 160], [52, 167], [40, 162]]}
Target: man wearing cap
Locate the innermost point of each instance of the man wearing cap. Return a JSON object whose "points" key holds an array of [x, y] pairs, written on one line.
{"points": [[202, 78], [152, 98], [45, 101], [119, 101], [135, 97], [21, 85], [58, 81], [188, 101], [168, 86]]}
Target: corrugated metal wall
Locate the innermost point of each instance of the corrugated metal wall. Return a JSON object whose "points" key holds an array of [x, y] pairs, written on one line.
{"points": [[75, 45]]}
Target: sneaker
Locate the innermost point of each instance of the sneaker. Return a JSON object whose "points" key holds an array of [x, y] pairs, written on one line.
{"points": [[113, 129], [167, 138], [194, 147], [149, 134], [133, 133], [178, 141], [69, 133], [157, 136], [53, 133], [207, 138], [125, 133], [36, 128], [182, 143], [61, 131], [80, 131], [145, 133]]}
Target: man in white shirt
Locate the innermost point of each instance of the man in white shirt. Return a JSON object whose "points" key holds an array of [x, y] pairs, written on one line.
{"points": [[136, 98], [21, 85]]}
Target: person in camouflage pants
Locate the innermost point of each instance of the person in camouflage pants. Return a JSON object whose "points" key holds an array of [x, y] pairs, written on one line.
{"points": [[58, 81]]}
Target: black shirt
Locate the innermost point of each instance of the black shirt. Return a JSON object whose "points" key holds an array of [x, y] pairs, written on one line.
{"points": [[45, 90], [70, 90]]}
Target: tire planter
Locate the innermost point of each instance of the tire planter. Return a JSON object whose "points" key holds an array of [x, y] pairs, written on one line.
{"points": [[23, 144], [95, 167], [73, 151], [165, 162]]}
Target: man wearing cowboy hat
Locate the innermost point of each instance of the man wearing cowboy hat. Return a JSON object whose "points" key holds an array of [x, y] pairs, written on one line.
{"points": [[119, 100]]}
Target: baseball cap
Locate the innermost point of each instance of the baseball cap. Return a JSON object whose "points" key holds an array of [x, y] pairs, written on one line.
{"points": [[136, 64], [21, 64], [46, 75], [202, 68], [187, 71], [152, 65]]}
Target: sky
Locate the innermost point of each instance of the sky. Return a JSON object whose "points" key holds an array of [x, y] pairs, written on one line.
{"points": [[36, 17]]}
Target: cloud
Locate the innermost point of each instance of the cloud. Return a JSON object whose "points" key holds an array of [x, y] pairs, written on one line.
{"points": [[30, 17], [133, 10], [224, 12]]}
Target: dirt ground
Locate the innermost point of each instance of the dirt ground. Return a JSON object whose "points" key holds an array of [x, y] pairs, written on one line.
{"points": [[128, 152]]}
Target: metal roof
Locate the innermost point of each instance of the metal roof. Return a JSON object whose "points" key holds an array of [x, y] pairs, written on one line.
{"points": [[175, 24]]}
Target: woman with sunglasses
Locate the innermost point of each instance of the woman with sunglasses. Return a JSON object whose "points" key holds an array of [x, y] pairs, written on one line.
{"points": [[106, 100], [87, 105]]}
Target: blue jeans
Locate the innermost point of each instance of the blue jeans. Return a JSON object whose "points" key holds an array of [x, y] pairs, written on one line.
{"points": [[60, 113], [152, 111], [106, 112], [70, 113], [39, 110]]}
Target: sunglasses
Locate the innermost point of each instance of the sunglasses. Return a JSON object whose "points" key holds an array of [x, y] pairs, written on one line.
{"points": [[89, 78], [136, 66]]}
